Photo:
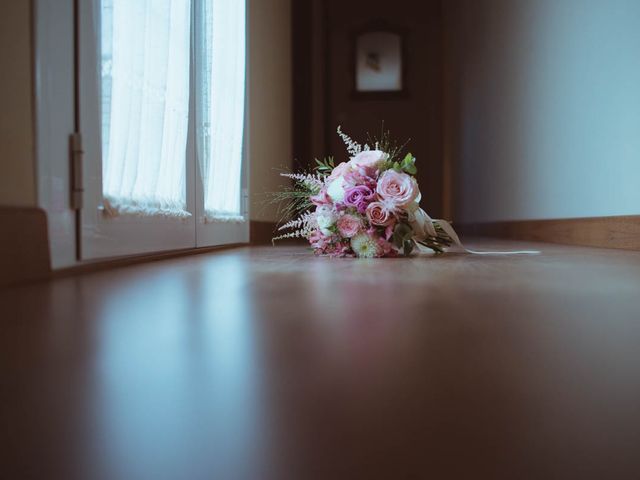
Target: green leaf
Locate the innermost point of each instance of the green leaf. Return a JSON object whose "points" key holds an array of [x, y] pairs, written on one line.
{"points": [[325, 165], [401, 234], [411, 170], [408, 247], [397, 241], [409, 164]]}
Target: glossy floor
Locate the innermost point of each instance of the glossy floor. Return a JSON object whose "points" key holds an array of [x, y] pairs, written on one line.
{"points": [[263, 363]]}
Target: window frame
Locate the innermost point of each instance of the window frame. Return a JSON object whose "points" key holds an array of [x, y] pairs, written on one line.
{"points": [[101, 236]]}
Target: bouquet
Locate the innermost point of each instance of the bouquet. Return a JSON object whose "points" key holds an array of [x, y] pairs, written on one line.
{"points": [[368, 206]]}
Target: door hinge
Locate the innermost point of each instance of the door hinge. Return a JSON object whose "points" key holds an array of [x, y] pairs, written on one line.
{"points": [[244, 204], [77, 183]]}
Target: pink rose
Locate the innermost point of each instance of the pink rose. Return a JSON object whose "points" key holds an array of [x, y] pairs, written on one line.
{"points": [[349, 225], [359, 197], [378, 214], [399, 188]]}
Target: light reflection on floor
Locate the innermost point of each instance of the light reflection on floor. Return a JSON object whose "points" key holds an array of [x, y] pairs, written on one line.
{"points": [[180, 380]]}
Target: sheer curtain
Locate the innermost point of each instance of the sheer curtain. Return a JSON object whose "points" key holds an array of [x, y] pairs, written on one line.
{"points": [[145, 105], [220, 87]]}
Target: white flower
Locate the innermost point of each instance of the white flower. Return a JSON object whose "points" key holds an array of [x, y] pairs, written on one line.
{"points": [[369, 159], [326, 217], [335, 190], [365, 246], [352, 147]]}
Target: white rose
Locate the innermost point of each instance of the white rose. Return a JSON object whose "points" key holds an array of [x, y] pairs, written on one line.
{"points": [[335, 190], [369, 159], [325, 217]]}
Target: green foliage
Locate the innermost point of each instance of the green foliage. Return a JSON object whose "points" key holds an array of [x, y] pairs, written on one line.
{"points": [[439, 242], [291, 201], [408, 247], [325, 166], [385, 143], [402, 238], [401, 234], [409, 164]]}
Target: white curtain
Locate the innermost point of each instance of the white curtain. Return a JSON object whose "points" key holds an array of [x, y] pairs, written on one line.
{"points": [[145, 105], [220, 87]]}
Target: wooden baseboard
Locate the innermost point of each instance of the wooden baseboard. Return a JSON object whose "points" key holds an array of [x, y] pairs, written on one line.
{"points": [[24, 245], [621, 232], [261, 233], [24, 248]]}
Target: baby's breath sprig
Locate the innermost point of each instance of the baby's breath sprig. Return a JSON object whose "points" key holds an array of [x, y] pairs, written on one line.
{"points": [[312, 181], [353, 147], [387, 144], [301, 226]]}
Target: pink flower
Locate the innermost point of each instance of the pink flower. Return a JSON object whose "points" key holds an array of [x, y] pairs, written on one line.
{"points": [[349, 225], [389, 230], [378, 214], [386, 248], [321, 198], [399, 188], [338, 249], [359, 197], [319, 241]]}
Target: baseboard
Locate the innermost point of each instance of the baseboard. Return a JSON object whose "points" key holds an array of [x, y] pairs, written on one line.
{"points": [[24, 248], [621, 232], [24, 245], [261, 233]]}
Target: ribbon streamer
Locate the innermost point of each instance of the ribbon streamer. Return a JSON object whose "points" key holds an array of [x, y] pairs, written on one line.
{"points": [[427, 226]]}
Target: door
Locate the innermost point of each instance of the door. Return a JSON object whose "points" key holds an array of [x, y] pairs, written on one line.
{"points": [[163, 149]]}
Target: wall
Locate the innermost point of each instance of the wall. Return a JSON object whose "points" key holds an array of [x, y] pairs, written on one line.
{"points": [[17, 167], [269, 101], [417, 117], [543, 107]]}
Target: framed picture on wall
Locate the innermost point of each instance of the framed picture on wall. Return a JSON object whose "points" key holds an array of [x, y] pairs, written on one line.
{"points": [[379, 64]]}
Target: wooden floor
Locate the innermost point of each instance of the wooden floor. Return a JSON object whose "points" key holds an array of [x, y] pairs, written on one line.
{"points": [[270, 363]]}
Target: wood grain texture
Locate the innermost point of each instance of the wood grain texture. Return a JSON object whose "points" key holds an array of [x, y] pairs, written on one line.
{"points": [[606, 232], [24, 245], [271, 363]]}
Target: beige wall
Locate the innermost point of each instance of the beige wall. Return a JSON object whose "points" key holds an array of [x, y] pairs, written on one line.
{"points": [[17, 167], [543, 107], [269, 100]]}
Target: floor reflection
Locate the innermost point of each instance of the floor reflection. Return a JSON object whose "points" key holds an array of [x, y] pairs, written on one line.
{"points": [[179, 380]]}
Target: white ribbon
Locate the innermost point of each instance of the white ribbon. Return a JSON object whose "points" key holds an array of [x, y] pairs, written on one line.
{"points": [[426, 228]]}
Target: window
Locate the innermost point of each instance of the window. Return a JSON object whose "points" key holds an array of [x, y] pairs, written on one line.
{"points": [[145, 105], [221, 101], [162, 111]]}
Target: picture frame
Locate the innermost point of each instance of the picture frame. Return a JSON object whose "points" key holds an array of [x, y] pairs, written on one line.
{"points": [[378, 58]]}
